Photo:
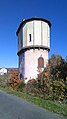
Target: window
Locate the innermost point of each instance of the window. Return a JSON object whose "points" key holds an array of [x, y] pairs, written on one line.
{"points": [[29, 37], [40, 62]]}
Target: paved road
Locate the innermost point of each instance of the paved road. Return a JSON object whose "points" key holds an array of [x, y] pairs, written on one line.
{"points": [[12, 107]]}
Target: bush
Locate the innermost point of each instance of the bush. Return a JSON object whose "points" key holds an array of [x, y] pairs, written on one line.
{"points": [[31, 87], [4, 79], [21, 86], [47, 88]]}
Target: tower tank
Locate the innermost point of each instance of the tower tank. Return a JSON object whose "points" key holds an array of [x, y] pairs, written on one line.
{"points": [[33, 46]]}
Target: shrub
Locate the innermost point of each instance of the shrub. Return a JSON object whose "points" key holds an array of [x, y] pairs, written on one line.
{"points": [[31, 87], [21, 86]]}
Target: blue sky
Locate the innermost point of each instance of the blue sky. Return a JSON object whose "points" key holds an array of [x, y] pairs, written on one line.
{"points": [[11, 14]]}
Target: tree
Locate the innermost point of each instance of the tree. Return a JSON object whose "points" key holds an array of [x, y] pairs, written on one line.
{"points": [[58, 67], [54, 84]]}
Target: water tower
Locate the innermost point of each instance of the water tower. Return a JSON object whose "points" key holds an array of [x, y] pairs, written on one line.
{"points": [[33, 46]]}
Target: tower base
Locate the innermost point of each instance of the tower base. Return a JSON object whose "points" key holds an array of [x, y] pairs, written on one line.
{"points": [[31, 63]]}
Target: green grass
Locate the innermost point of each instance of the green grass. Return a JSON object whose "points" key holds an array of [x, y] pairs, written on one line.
{"points": [[56, 107]]}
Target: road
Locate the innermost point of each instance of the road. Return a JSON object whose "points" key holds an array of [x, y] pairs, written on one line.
{"points": [[12, 107]]}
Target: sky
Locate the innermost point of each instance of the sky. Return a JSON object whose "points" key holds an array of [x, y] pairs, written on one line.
{"points": [[11, 14]]}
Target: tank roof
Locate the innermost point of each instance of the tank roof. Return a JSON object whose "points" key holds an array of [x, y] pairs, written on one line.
{"points": [[31, 19]]}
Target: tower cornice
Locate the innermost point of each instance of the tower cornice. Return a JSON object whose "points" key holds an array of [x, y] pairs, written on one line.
{"points": [[33, 47]]}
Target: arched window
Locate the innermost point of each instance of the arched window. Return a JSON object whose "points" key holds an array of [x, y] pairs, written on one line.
{"points": [[20, 76], [40, 62]]}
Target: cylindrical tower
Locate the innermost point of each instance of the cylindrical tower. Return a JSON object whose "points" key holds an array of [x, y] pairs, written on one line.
{"points": [[33, 46]]}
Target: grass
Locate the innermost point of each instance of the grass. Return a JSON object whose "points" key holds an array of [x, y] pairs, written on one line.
{"points": [[56, 107]]}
